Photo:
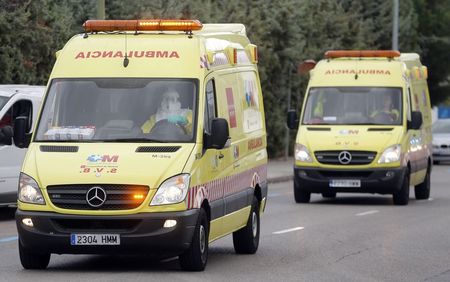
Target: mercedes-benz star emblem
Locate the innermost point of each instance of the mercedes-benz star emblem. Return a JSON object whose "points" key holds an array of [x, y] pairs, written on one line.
{"points": [[345, 157], [96, 197]]}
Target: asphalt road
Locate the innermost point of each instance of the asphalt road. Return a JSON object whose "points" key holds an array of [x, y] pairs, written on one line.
{"points": [[352, 238]]}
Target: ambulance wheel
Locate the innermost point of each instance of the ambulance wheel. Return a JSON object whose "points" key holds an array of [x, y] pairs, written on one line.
{"points": [[329, 194], [31, 260], [246, 239], [422, 191], [401, 197], [196, 257], [301, 196]]}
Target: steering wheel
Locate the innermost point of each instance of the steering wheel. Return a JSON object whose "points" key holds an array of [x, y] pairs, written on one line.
{"points": [[383, 117], [164, 129]]}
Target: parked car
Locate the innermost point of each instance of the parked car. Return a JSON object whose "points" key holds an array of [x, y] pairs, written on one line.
{"points": [[15, 100], [441, 141]]}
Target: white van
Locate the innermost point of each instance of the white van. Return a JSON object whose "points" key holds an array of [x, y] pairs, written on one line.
{"points": [[15, 100]]}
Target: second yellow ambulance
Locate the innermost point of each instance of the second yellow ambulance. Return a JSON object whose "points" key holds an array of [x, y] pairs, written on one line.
{"points": [[365, 127]]}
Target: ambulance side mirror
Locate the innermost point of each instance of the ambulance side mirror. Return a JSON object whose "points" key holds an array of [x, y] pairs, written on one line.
{"points": [[292, 119], [416, 120], [21, 128], [219, 133], [6, 134]]}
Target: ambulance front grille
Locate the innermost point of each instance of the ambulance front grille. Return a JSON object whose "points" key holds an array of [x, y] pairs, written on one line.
{"points": [[357, 157], [118, 197]]}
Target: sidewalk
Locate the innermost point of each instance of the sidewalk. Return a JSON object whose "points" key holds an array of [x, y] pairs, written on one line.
{"points": [[280, 170]]}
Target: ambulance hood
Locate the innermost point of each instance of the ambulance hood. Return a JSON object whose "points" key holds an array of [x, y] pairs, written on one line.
{"points": [[106, 163], [349, 137]]}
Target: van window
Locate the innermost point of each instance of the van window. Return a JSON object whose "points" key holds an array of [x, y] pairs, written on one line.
{"points": [[354, 105], [19, 108], [119, 110], [3, 101], [210, 109]]}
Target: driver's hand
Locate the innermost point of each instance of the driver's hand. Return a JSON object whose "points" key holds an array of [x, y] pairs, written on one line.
{"points": [[178, 119]]}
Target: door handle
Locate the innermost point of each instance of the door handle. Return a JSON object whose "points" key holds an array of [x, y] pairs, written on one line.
{"points": [[221, 156]]}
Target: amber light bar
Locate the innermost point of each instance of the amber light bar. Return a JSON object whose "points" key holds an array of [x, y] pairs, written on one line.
{"points": [[361, 53], [142, 25]]}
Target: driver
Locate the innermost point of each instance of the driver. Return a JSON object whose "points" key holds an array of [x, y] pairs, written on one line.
{"points": [[387, 110], [170, 110]]}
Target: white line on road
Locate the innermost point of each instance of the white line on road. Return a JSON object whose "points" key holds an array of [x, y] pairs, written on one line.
{"points": [[8, 239], [288, 230], [367, 212]]}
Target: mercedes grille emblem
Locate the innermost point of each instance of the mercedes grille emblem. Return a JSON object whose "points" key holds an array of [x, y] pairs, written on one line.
{"points": [[96, 197], [345, 157]]}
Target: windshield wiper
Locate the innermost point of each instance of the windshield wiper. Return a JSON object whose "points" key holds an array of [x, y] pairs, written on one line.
{"points": [[131, 140]]}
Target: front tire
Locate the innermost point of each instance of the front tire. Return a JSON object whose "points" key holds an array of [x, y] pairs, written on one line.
{"points": [[246, 239], [401, 197], [422, 191], [196, 257], [32, 260], [301, 196]]}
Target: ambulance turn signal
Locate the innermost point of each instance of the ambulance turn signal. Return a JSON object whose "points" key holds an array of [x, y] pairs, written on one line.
{"points": [[142, 25], [361, 53]]}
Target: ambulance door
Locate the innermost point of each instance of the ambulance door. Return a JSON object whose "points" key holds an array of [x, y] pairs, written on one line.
{"points": [[236, 187], [212, 165], [415, 141]]}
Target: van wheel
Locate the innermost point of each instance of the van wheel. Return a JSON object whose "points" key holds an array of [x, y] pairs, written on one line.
{"points": [[301, 196], [401, 197], [196, 257], [422, 191], [329, 194], [31, 260], [246, 239]]}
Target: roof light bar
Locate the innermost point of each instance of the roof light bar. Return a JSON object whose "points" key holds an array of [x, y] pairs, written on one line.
{"points": [[142, 25], [361, 53]]}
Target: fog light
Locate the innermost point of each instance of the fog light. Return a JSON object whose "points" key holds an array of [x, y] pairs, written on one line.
{"points": [[28, 222], [390, 174], [170, 223]]}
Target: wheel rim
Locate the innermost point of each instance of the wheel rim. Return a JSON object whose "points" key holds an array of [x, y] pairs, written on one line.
{"points": [[254, 224], [202, 239]]}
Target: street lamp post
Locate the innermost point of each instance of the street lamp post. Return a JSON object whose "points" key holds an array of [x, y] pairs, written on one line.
{"points": [[395, 26]]}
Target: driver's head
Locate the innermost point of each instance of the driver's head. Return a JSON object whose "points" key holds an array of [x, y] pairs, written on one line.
{"points": [[170, 101], [387, 103]]}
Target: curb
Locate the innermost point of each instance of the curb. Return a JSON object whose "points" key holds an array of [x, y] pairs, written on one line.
{"points": [[279, 179]]}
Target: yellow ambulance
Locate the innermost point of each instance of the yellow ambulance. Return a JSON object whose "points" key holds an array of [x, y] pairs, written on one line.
{"points": [[365, 127], [151, 139]]}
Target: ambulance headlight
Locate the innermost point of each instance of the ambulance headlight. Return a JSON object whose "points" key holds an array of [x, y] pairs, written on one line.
{"points": [[302, 154], [390, 155], [172, 191], [29, 191]]}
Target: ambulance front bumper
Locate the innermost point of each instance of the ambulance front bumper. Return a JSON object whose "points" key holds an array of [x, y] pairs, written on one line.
{"points": [[319, 180], [139, 234]]}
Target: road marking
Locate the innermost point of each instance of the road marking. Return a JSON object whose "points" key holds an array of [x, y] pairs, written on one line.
{"points": [[288, 230], [367, 212], [8, 239]]}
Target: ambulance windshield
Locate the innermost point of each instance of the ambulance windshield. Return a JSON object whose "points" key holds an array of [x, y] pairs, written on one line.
{"points": [[354, 106], [119, 110]]}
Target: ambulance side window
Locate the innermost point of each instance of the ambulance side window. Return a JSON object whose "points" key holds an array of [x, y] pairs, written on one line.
{"points": [[210, 109]]}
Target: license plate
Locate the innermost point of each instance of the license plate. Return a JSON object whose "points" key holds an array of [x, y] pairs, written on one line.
{"points": [[94, 239], [345, 183]]}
